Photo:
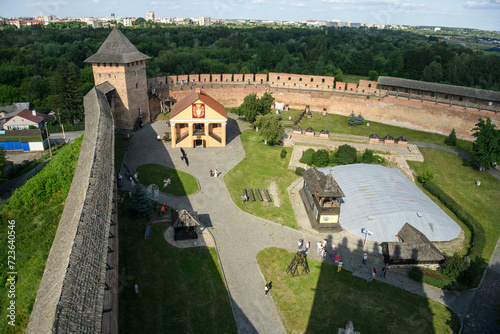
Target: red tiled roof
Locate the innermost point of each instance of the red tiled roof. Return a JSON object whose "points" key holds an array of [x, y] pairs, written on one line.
{"points": [[193, 97], [27, 114]]}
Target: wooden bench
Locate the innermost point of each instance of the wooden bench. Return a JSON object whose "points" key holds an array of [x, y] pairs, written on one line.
{"points": [[148, 232], [257, 191], [252, 197], [266, 193], [245, 193], [362, 276]]}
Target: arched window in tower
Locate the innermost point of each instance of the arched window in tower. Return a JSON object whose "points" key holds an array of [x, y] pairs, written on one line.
{"points": [[109, 75]]}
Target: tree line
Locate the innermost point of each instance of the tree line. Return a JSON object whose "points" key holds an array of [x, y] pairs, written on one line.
{"points": [[30, 56]]}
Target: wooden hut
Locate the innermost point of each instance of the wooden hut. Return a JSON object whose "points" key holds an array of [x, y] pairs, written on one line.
{"points": [[185, 225], [414, 248], [322, 197]]}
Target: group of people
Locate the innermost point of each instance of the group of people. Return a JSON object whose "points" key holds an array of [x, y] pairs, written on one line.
{"points": [[214, 173], [321, 248]]}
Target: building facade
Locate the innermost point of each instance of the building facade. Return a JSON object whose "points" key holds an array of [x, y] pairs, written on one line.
{"points": [[198, 120]]}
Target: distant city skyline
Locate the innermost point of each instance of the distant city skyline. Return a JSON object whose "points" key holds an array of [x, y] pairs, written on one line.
{"points": [[478, 14]]}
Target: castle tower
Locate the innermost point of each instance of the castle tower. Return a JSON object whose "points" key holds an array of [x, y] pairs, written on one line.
{"points": [[119, 63]]}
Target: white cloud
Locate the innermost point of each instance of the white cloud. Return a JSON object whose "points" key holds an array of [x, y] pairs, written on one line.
{"points": [[95, 1], [482, 4]]}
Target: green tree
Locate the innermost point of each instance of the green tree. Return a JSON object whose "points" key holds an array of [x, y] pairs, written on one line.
{"points": [[139, 201], [368, 156], [270, 128], [66, 96], [253, 106], [320, 158], [345, 155], [486, 147], [451, 140], [373, 75], [307, 157]]}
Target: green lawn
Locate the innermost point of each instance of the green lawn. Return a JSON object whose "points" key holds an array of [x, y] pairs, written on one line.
{"points": [[181, 289], [36, 209], [338, 124], [326, 300], [458, 181], [261, 168], [183, 184]]}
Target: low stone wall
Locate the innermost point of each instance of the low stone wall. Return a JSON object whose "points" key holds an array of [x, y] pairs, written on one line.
{"points": [[70, 298]]}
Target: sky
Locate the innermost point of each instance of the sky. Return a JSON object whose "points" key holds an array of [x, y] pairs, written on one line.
{"points": [[479, 14]]}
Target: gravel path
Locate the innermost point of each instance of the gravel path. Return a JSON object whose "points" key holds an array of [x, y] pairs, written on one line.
{"points": [[240, 236]]}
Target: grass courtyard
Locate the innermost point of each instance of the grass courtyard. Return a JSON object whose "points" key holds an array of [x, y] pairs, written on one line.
{"points": [[458, 181], [326, 300], [182, 184], [263, 168], [181, 289]]}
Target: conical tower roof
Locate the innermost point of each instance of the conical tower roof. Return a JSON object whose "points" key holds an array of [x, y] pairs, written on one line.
{"points": [[116, 49]]}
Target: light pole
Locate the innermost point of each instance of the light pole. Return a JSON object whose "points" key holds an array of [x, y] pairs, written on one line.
{"points": [[366, 233], [62, 126], [48, 138]]}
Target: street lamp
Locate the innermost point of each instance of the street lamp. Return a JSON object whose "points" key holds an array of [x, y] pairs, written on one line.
{"points": [[366, 233], [62, 126]]}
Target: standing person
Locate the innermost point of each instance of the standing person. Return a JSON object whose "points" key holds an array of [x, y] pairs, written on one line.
{"points": [[216, 173], [308, 244], [384, 270], [365, 257], [337, 259], [267, 287], [374, 272], [211, 173], [339, 267], [163, 210], [245, 198], [318, 247], [334, 250], [300, 244]]}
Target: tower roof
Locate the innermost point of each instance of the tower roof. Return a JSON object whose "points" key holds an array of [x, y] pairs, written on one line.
{"points": [[116, 49]]}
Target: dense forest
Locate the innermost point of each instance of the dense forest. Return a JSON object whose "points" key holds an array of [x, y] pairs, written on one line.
{"points": [[31, 57]]}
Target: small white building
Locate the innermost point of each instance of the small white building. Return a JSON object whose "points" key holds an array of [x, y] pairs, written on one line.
{"points": [[23, 120]]}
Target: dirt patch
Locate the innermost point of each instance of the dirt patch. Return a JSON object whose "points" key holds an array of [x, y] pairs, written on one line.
{"points": [[273, 191], [204, 239]]}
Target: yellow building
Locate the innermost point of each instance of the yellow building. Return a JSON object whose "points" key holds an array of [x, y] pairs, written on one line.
{"points": [[198, 120]]}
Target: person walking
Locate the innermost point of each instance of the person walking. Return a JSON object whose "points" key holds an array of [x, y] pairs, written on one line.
{"points": [[216, 173], [267, 287], [384, 270], [374, 272], [365, 257], [300, 244], [308, 244], [337, 258], [339, 267], [334, 250]]}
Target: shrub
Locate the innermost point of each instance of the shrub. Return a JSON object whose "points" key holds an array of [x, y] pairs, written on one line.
{"points": [[345, 155], [320, 158], [451, 140], [426, 176], [454, 265], [283, 154], [368, 156], [299, 171], [307, 157], [354, 120], [428, 276]]}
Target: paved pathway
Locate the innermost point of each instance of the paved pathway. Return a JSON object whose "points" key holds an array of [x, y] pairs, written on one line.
{"points": [[240, 236]]}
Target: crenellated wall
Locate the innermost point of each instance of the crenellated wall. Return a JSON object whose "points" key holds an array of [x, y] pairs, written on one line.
{"points": [[366, 98]]}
